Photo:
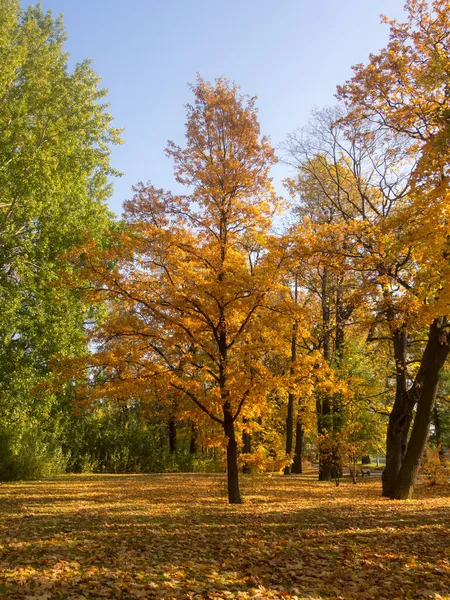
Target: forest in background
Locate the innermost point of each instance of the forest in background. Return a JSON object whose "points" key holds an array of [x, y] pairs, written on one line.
{"points": [[228, 327]]}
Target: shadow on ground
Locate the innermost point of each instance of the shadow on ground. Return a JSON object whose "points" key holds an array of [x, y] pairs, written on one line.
{"points": [[173, 536]]}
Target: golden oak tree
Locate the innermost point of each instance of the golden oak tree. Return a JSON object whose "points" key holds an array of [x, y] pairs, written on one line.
{"points": [[194, 283]]}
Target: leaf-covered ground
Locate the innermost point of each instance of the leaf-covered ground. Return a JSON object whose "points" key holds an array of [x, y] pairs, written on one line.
{"points": [[173, 536]]}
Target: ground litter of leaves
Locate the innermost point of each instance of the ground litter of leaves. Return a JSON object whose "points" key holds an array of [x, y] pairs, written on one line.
{"points": [[173, 536]]}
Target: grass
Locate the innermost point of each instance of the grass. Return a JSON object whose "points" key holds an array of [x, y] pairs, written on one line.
{"points": [[173, 536]]}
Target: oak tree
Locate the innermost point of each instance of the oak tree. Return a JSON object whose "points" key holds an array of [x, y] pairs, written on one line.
{"points": [[196, 290]]}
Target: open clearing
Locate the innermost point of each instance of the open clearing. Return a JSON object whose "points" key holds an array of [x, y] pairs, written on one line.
{"points": [[173, 536]]}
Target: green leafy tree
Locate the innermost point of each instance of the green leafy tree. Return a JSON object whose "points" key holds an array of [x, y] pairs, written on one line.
{"points": [[54, 181]]}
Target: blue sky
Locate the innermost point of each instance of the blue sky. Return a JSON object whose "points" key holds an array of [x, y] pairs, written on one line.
{"points": [[290, 53]]}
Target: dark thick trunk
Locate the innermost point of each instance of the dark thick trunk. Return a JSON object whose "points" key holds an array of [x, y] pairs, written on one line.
{"points": [[297, 466], [193, 440], [400, 417], [234, 494], [396, 441], [172, 435], [433, 360], [289, 430]]}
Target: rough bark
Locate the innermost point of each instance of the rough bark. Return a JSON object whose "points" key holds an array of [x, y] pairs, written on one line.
{"points": [[400, 417], [433, 360]]}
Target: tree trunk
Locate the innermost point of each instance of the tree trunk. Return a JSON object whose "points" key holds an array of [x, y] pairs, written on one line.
{"points": [[400, 417], [297, 466], [291, 398], [343, 313], [324, 417], [434, 357], [324, 427], [234, 494], [396, 441], [193, 440], [326, 317], [289, 430], [172, 435], [247, 448]]}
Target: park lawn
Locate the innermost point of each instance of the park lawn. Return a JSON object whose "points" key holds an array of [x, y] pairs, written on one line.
{"points": [[174, 536]]}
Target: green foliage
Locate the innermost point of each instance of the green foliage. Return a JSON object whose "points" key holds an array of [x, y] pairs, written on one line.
{"points": [[29, 456], [54, 182], [115, 439], [119, 439]]}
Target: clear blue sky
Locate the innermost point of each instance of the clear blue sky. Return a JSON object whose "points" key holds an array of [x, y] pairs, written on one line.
{"points": [[290, 53]]}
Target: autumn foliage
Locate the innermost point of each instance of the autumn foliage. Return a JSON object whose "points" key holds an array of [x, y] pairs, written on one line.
{"points": [[198, 297], [220, 342], [213, 317], [222, 327]]}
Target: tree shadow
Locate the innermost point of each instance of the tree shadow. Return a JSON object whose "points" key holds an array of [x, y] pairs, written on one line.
{"points": [[125, 536]]}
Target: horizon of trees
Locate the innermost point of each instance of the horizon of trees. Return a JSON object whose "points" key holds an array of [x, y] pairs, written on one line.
{"points": [[189, 335]]}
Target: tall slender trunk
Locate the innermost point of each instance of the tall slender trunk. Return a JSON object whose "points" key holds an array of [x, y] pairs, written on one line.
{"points": [[172, 435], [324, 427], [289, 430], [291, 397], [433, 360], [234, 494], [343, 313], [324, 424], [246, 447], [326, 341], [297, 466]]}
